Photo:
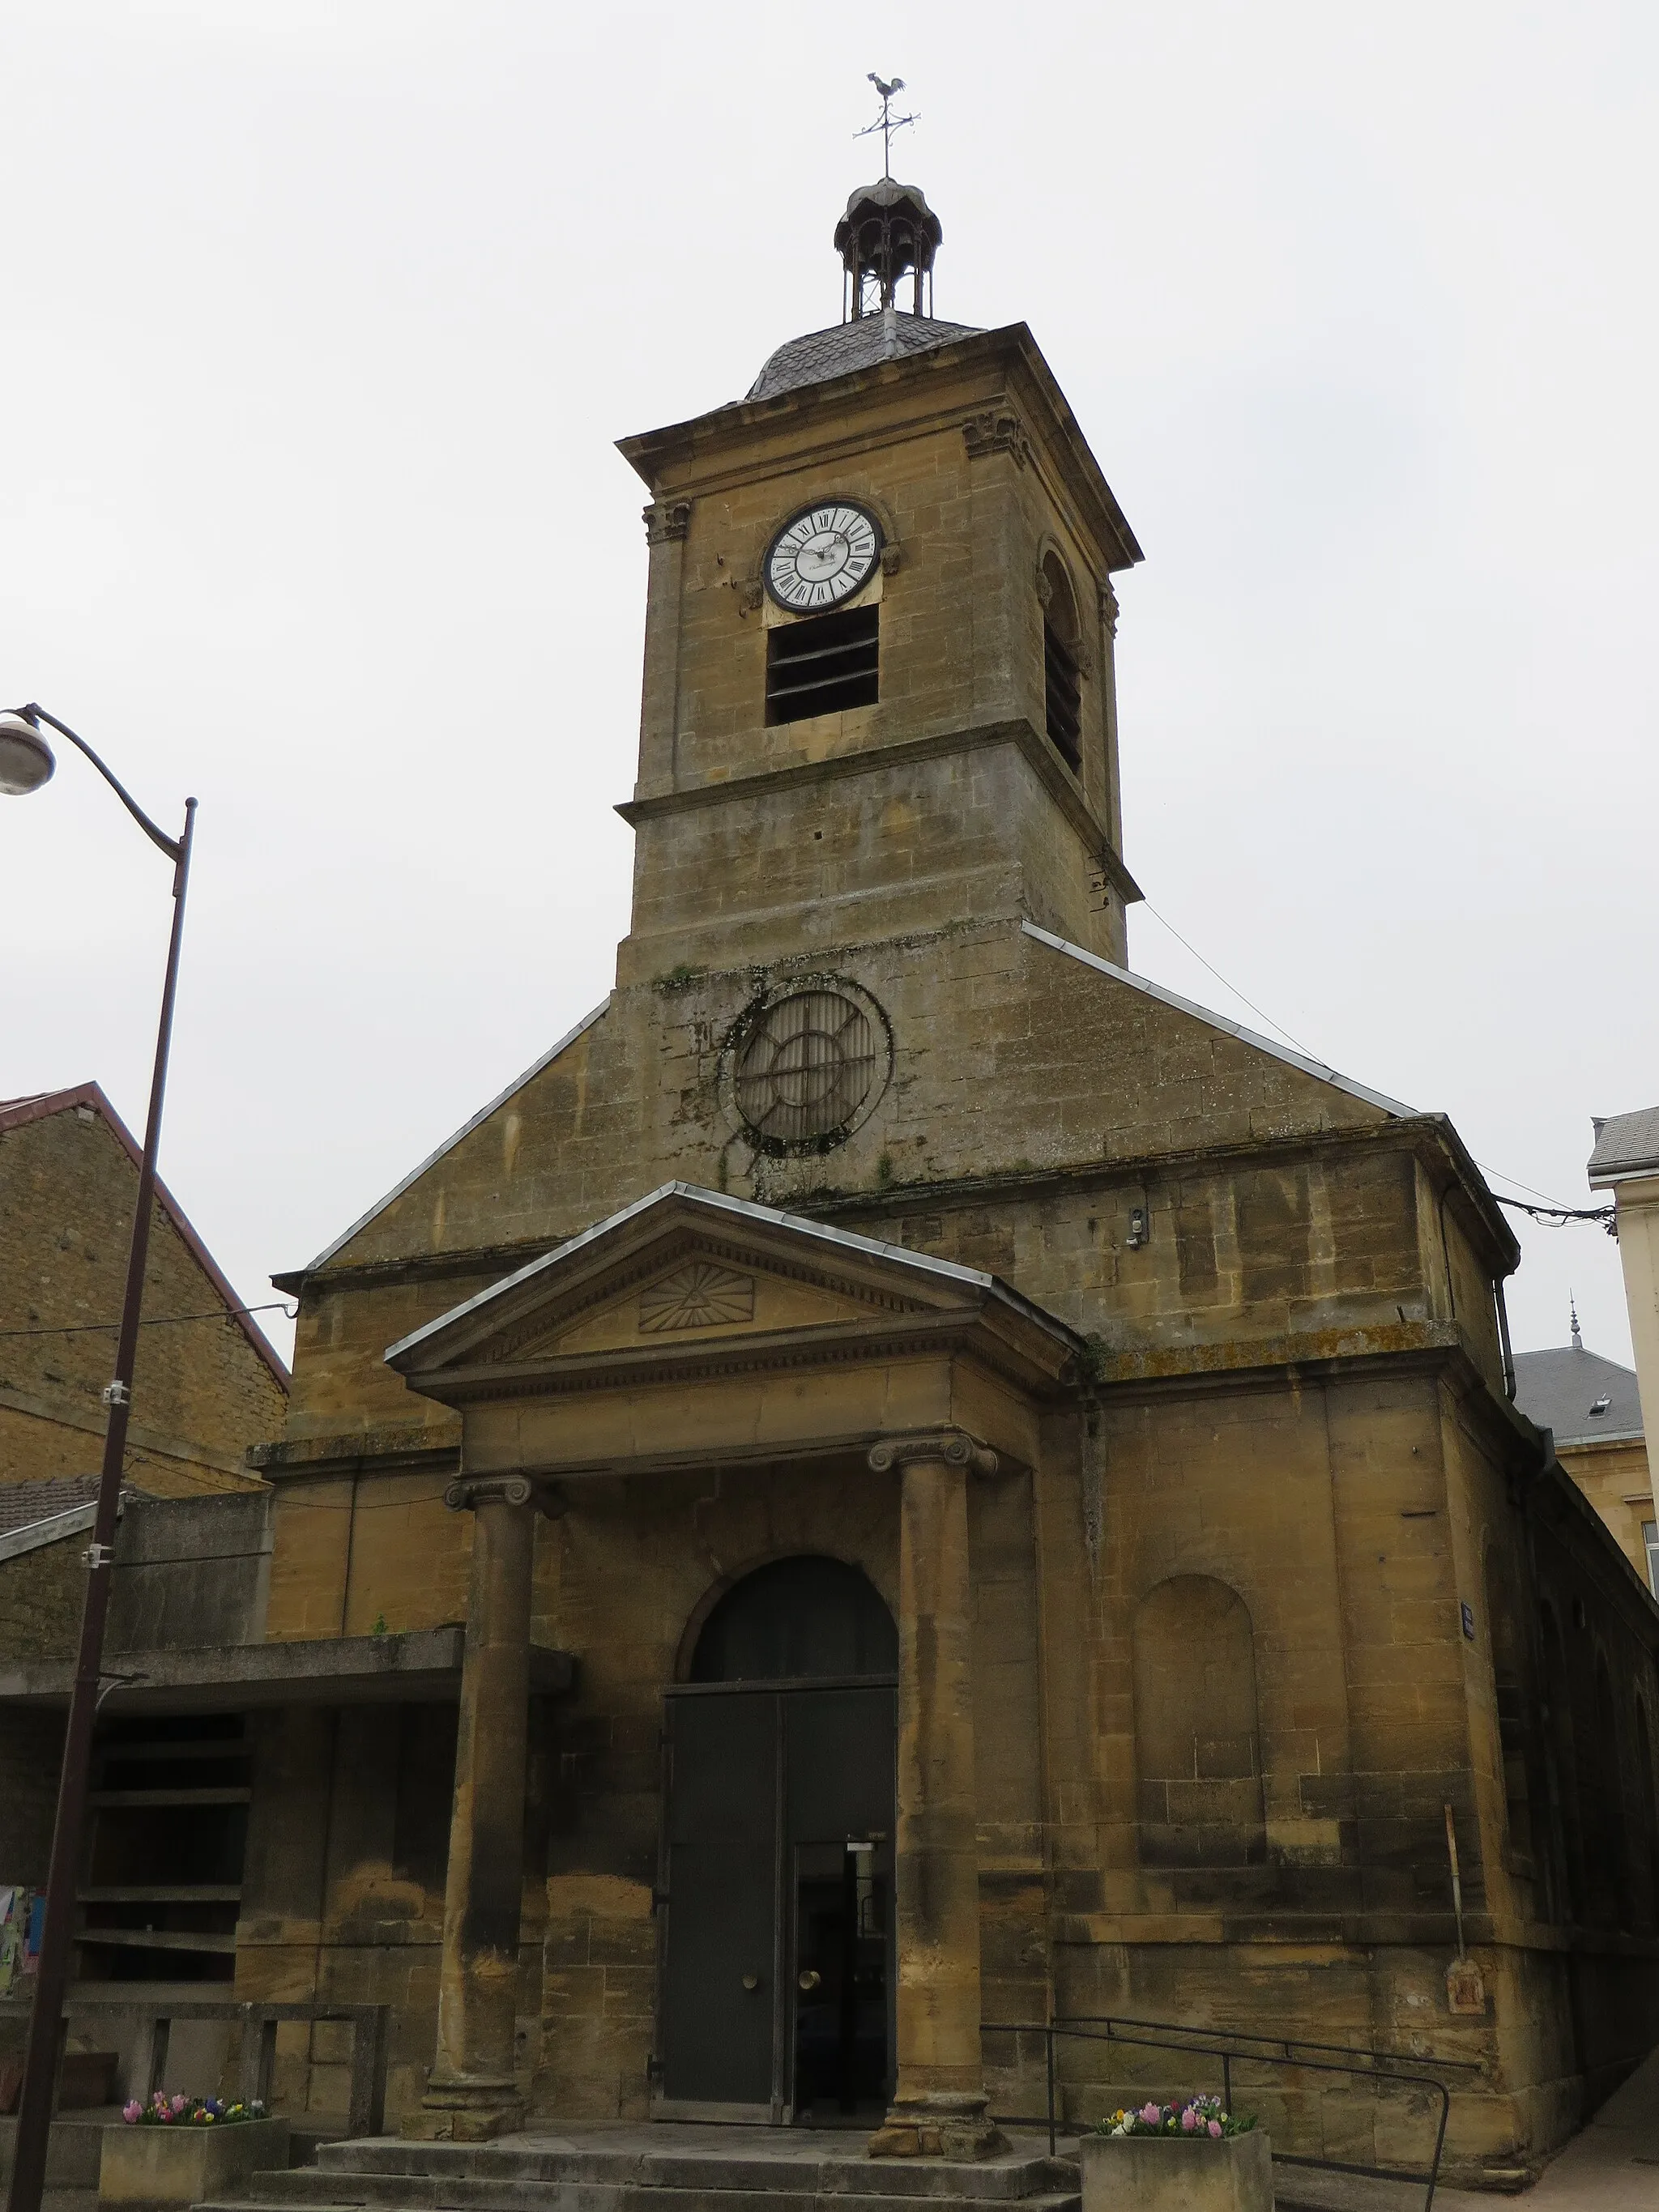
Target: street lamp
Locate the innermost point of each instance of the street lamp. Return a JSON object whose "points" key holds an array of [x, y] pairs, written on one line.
{"points": [[27, 763]]}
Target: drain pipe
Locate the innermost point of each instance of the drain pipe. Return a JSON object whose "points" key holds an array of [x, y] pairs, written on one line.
{"points": [[1504, 1339]]}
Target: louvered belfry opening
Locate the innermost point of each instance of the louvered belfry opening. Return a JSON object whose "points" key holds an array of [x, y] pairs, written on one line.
{"points": [[823, 664], [1062, 675], [806, 1069], [1063, 697]]}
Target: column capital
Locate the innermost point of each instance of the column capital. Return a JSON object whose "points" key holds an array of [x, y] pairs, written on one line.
{"points": [[468, 1491], [954, 1446], [666, 520]]}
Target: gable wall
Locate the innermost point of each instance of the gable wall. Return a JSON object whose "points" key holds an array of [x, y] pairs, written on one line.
{"points": [[1011, 1060], [201, 1393]]}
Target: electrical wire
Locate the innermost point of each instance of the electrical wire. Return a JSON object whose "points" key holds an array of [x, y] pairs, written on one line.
{"points": [[158, 1320], [1552, 1213], [1556, 1216], [1261, 1012]]}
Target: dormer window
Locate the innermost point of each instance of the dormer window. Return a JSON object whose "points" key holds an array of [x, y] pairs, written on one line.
{"points": [[1600, 1407], [1062, 687]]}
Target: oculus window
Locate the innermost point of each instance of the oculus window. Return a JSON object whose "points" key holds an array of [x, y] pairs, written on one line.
{"points": [[808, 1069]]}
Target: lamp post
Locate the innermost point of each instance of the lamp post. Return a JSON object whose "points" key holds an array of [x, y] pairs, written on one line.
{"points": [[27, 763]]}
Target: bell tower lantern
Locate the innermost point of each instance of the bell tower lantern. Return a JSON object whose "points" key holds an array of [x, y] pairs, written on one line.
{"points": [[888, 232]]}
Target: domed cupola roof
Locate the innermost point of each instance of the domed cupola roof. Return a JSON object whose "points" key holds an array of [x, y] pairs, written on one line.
{"points": [[845, 347]]}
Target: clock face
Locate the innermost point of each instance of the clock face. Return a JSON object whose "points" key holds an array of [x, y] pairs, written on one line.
{"points": [[823, 556]]}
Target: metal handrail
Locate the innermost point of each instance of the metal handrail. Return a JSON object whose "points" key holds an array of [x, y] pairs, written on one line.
{"points": [[1228, 2044]]}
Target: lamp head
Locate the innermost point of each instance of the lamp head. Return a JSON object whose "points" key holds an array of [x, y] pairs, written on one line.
{"points": [[26, 758]]}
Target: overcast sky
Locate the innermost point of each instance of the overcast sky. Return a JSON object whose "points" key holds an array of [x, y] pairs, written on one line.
{"points": [[321, 321]]}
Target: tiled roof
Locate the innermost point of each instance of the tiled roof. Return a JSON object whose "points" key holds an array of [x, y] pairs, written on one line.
{"points": [[15, 1113], [821, 355], [1626, 1144], [22, 1504], [1559, 1388]]}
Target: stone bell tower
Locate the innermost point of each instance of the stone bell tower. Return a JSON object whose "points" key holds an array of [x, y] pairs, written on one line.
{"points": [[879, 691]]}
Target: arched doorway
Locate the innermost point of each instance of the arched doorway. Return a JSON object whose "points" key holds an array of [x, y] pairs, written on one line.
{"points": [[777, 1860]]}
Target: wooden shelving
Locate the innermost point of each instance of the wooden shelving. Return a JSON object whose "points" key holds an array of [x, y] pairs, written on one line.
{"points": [[199, 1892]]}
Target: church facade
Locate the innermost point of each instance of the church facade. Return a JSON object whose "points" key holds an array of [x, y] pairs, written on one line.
{"points": [[978, 1490]]}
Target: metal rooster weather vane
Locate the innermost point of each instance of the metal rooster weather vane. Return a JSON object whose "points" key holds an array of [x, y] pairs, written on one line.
{"points": [[887, 123]]}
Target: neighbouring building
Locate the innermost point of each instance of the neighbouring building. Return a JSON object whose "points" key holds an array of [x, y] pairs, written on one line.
{"points": [[158, 1901], [206, 1382], [1626, 1161], [976, 1488], [1592, 1408]]}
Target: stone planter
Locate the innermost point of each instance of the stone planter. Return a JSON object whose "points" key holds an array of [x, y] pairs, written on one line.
{"points": [[1177, 2173], [142, 2168]]}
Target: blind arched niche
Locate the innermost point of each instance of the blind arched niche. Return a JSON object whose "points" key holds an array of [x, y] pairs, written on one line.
{"points": [[1197, 1750]]}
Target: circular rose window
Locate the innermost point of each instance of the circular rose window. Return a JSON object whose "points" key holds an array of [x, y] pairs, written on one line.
{"points": [[807, 1066]]}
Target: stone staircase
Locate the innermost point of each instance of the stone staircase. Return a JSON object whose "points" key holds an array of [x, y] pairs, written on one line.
{"points": [[665, 2169]]}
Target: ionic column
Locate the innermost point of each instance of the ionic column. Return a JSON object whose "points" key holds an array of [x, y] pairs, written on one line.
{"points": [[938, 2102], [471, 2093]]}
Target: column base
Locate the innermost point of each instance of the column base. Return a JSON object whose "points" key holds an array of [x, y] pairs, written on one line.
{"points": [[468, 2109], [942, 2126]]}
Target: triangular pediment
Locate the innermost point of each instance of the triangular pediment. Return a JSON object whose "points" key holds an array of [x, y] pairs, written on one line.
{"points": [[693, 1290], [687, 1269]]}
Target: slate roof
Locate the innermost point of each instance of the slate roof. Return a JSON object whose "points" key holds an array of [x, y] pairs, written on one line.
{"points": [[1625, 1143], [821, 355], [1557, 1388], [23, 1504]]}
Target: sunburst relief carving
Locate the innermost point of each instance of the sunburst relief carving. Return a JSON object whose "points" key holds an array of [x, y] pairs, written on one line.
{"points": [[700, 1295]]}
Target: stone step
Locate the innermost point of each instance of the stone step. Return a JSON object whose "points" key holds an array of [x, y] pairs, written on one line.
{"points": [[659, 2170], [739, 2160], [569, 2194]]}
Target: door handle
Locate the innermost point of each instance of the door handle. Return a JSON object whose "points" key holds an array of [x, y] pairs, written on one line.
{"points": [[751, 1981], [810, 1979]]}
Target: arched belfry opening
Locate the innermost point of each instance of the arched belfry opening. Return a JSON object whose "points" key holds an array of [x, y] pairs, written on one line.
{"points": [[777, 1851], [1062, 660]]}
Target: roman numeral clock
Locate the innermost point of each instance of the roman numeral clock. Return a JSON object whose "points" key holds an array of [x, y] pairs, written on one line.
{"points": [[823, 556]]}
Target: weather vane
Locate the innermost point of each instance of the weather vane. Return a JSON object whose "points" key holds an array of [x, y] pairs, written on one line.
{"points": [[887, 123]]}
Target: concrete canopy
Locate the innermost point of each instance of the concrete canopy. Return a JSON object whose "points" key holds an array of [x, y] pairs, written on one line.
{"points": [[692, 1326], [422, 1665]]}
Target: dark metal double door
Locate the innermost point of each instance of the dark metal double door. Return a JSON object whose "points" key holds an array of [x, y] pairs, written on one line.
{"points": [[777, 1980]]}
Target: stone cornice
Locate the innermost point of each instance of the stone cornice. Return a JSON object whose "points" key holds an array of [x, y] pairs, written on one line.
{"points": [[485, 1263], [1057, 780], [397, 1447], [1425, 1134], [1429, 1136], [942, 387], [952, 1333]]}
